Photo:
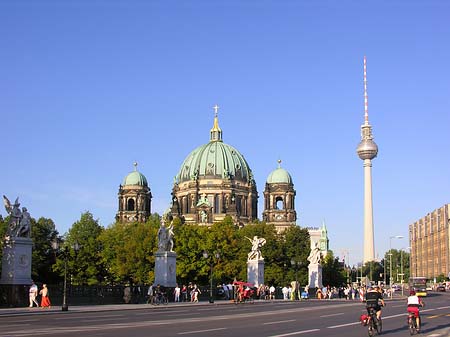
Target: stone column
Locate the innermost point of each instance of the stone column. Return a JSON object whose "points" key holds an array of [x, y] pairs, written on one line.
{"points": [[255, 272], [16, 262], [165, 269], [315, 276]]}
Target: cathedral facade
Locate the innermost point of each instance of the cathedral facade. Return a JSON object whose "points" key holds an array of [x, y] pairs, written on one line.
{"points": [[214, 181]]}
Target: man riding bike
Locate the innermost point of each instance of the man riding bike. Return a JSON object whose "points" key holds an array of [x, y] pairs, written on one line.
{"points": [[373, 300], [414, 302]]}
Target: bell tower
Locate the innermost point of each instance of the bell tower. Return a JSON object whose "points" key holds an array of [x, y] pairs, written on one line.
{"points": [[135, 198], [279, 199]]}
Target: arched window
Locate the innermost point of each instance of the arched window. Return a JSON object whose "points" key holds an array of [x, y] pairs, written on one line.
{"points": [[279, 203], [130, 205]]}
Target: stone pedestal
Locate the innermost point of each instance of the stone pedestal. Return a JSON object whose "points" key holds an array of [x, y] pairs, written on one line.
{"points": [[165, 269], [315, 276], [255, 272], [16, 261]]}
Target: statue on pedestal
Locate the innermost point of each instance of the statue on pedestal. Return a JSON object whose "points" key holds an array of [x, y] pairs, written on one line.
{"points": [[255, 253], [166, 234], [19, 221]]}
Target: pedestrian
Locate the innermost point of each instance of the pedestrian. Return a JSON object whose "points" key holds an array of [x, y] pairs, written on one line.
{"points": [[177, 292], [45, 300], [33, 294], [184, 291], [150, 299]]}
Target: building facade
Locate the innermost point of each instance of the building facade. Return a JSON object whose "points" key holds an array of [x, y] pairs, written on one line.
{"points": [[429, 239], [214, 181]]}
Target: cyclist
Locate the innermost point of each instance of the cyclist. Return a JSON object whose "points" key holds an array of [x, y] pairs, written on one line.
{"points": [[373, 300], [414, 302]]}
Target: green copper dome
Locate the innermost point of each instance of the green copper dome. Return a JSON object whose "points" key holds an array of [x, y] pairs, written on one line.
{"points": [[135, 178], [279, 175], [215, 160]]}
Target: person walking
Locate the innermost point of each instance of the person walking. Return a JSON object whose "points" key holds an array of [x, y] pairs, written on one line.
{"points": [[33, 292], [177, 292], [45, 300]]}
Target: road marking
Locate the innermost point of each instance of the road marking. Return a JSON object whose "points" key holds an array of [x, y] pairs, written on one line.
{"points": [[440, 308], [342, 325], [339, 314], [397, 306], [200, 331], [279, 322], [295, 333], [434, 316]]}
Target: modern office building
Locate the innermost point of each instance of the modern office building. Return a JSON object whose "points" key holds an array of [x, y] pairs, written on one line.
{"points": [[429, 239]]}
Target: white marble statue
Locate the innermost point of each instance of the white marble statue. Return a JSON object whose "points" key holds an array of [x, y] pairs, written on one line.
{"points": [[255, 253], [314, 255], [165, 238]]}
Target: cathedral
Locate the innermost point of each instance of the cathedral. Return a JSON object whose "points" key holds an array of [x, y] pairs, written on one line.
{"points": [[214, 181]]}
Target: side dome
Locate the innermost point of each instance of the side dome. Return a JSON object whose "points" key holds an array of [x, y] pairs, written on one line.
{"points": [[279, 175], [215, 160], [135, 178]]}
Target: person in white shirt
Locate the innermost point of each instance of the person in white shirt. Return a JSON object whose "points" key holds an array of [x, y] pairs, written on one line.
{"points": [[33, 292], [177, 292], [414, 302]]}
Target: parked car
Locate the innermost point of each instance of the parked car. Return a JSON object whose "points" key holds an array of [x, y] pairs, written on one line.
{"points": [[440, 287]]}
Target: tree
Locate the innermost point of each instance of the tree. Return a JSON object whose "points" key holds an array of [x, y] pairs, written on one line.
{"points": [[43, 233], [128, 251], [296, 247], [333, 273], [85, 265]]}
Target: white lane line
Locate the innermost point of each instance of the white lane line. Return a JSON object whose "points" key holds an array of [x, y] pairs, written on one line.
{"points": [[339, 314], [440, 308], [200, 331], [279, 322], [152, 312], [295, 333], [342, 325], [397, 306]]}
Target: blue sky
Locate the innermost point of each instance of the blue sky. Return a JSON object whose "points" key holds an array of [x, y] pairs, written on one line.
{"points": [[89, 87]]}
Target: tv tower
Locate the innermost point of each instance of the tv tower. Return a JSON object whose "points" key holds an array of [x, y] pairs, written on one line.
{"points": [[367, 150]]}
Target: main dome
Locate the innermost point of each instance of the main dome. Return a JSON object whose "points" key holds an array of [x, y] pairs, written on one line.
{"points": [[215, 160]]}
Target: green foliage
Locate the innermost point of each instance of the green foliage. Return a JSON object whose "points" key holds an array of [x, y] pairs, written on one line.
{"points": [[128, 251], [43, 233], [333, 272], [85, 265], [399, 259]]}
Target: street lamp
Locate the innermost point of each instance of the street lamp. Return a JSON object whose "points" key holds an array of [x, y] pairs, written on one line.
{"points": [[217, 256], [390, 256], [65, 253], [296, 265]]}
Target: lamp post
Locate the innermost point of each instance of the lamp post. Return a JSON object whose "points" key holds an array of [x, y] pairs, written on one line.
{"points": [[217, 256], [390, 256], [65, 253], [296, 264]]}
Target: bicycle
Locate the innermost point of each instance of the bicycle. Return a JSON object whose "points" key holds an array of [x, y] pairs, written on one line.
{"points": [[161, 299], [412, 324], [374, 325]]}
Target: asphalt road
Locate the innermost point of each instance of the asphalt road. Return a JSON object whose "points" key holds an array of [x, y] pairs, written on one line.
{"points": [[262, 319]]}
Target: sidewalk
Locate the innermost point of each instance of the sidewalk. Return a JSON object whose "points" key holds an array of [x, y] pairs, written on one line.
{"points": [[20, 311]]}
